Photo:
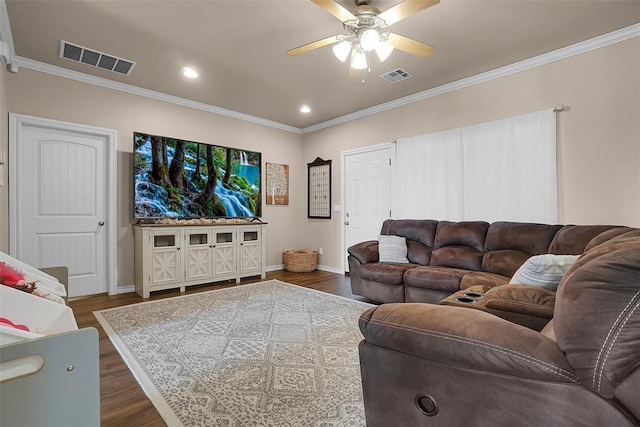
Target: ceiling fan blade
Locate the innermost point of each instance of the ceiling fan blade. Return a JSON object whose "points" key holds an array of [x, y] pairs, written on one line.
{"points": [[411, 46], [405, 9], [313, 45], [335, 9]]}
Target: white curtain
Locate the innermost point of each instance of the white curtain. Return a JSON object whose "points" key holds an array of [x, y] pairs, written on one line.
{"points": [[498, 171]]}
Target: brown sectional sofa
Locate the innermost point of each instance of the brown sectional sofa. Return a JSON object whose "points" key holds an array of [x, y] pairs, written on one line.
{"points": [[446, 257], [439, 365]]}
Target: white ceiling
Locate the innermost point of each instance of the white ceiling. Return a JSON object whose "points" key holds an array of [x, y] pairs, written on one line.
{"points": [[238, 46]]}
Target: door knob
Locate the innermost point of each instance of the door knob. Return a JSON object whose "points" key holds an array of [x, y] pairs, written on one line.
{"points": [[101, 223], [346, 223]]}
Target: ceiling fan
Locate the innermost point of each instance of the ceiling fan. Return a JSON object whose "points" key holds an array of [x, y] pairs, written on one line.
{"points": [[365, 28]]}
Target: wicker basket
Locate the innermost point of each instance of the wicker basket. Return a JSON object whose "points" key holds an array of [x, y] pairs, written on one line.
{"points": [[300, 260]]}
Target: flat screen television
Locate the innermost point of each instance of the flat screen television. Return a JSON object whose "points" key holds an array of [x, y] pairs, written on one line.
{"points": [[174, 178]]}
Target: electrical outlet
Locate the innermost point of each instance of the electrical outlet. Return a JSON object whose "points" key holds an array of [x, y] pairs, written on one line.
{"points": [[320, 251]]}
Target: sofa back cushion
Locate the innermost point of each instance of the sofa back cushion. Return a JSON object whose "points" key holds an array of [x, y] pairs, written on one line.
{"points": [[459, 244], [573, 239], [509, 244], [607, 235], [597, 314], [420, 235]]}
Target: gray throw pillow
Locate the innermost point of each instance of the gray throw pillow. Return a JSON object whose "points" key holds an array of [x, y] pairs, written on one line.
{"points": [[392, 249], [544, 271]]}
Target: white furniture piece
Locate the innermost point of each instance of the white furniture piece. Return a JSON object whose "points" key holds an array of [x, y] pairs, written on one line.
{"points": [[54, 379], [51, 381], [172, 256]]}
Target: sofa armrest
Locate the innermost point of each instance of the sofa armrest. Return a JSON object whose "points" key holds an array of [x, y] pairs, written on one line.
{"points": [[471, 339], [628, 391], [523, 299], [365, 252]]}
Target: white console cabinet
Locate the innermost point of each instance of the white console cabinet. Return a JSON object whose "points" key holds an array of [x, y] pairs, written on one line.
{"points": [[179, 256]]}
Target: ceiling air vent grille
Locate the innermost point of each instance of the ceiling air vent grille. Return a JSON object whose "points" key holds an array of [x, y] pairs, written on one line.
{"points": [[396, 75], [96, 59]]}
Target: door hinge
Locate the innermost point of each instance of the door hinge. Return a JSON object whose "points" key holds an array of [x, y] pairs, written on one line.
{"points": [[389, 213], [389, 161]]}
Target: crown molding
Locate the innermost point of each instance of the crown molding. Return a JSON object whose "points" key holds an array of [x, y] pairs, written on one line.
{"points": [[536, 61], [556, 55], [5, 30], [135, 90]]}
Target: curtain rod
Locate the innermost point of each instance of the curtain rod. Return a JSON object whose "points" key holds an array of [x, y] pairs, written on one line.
{"points": [[559, 108]]}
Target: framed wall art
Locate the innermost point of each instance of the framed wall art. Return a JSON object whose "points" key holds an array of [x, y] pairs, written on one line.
{"points": [[319, 188], [277, 184]]}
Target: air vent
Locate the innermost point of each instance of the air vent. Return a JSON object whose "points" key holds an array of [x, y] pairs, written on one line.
{"points": [[96, 59], [396, 75]]}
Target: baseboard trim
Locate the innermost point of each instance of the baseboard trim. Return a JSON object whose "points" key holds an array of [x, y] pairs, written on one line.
{"points": [[125, 289], [278, 267], [320, 267], [330, 269]]}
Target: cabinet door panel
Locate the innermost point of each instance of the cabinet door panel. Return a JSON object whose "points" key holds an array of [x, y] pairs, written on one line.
{"points": [[165, 266], [199, 265], [250, 250], [225, 252], [225, 260], [250, 257], [197, 253]]}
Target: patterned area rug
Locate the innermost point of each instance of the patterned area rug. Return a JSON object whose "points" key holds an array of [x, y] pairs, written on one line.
{"points": [[264, 354]]}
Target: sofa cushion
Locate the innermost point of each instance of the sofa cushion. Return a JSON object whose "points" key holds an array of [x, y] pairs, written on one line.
{"points": [[457, 257], [573, 239], [392, 249], [607, 235], [420, 235], [464, 233], [459, 244], [504, 262], [388, 273], [484, 279], [544, 271], [417, 253], [418, 230], [602, 285], [440, 278], [509, 244]]}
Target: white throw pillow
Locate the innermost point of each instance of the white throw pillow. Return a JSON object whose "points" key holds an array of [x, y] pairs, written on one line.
{"points": [[544, 271], [392, 249]]}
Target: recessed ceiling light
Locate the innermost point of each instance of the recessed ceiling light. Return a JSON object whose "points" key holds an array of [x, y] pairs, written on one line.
{"points": [[189, 72], [305, 109]]}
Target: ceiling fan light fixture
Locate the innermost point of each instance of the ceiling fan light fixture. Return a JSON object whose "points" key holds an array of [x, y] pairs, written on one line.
{"points": [[342, 50], [359, 61], [369, 39], [383, 50]]}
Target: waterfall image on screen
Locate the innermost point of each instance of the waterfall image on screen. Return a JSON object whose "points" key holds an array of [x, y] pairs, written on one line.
{"points": [[174, 178]]}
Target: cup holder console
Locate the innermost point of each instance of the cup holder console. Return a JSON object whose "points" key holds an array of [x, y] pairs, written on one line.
{"points": [[469, 297], [473, 295]]}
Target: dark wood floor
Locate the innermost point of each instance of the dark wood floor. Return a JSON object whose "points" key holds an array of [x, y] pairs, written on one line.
{"points": [[122, 401]]}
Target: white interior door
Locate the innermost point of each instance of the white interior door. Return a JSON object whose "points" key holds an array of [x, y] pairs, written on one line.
{"points": [[60, 200], [367, 194]]}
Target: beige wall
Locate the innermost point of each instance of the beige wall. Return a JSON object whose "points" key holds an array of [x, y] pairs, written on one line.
{"points": [[4, 170], [598, 139], [598, 136], [42, 95]]}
